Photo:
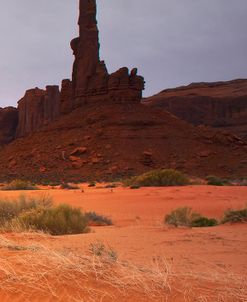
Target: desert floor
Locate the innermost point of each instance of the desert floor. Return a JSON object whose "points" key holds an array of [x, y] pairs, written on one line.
{"points": [[139, 237]]}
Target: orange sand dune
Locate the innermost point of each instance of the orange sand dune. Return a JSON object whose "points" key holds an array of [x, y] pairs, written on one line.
{"points": [[139, 237]]}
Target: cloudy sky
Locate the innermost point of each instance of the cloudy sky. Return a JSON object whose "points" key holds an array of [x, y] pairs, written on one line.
{"points": [[172, 42]]}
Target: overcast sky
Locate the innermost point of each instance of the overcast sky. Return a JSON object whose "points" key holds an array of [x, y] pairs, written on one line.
{"points": [[172, 42]]}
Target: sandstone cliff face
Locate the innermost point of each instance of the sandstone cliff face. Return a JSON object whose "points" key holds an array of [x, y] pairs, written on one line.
{"points": [[8, 124], [37, 108], [221, 104]]}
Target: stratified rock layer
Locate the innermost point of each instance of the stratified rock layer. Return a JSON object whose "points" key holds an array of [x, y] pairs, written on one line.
{"points": [[221, 104]]}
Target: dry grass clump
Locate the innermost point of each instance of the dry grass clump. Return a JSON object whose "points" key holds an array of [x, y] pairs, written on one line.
{"points": [[19, 185], [159, 178], [188, 218], [10, 209], [234, 216], [97, 276]]}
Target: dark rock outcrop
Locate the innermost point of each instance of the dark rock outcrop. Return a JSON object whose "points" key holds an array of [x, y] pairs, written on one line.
{"points": [[8, 124], [37, 108], [66, 100], [222, 104]]}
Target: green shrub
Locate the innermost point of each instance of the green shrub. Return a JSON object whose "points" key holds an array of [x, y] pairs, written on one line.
{"points": [[92, 184], [186, 217], [97, 220], [19, 184], [10, 209], [60, 220], [234, 216], [216, 181], [204, 222], [159, 178]]}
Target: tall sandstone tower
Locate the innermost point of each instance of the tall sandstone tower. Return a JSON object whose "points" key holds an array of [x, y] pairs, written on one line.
{"points": [[90, 78]]}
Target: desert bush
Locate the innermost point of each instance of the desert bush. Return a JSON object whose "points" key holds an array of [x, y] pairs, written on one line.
{"points": [[181, 217], [204, 222], [60, 220], [186, 217], [234, 216], [92, 184], [159, 178], [10, 209], [216, 181], [20, 185], [68, 186], [97, 220]]}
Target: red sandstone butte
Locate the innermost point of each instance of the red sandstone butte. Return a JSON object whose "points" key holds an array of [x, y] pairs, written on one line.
{"points": [[222, 105]]}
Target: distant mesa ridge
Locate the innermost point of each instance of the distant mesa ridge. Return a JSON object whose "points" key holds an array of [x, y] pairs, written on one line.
{"points": [[222, 105]]}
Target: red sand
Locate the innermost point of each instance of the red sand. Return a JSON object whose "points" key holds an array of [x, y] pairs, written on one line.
{"points": [[139, 235]]}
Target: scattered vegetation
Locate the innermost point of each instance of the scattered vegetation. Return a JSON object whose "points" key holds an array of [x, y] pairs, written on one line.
{"points": [[159, 178], [20, 185], [216, 181], [68, 186], [234, 216], [187, 218], [95, 219]]}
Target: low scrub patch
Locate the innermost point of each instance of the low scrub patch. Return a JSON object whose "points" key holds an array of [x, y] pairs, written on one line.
{"points": [[95, 219], [159, 178], [60, 220], [217, 181], [20, 185], [188, 218], [234, 216]]}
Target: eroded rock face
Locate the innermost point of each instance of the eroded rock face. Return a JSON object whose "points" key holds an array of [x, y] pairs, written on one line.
{"points": [[90, 78], [222, 104], [66, 104], [8, 124], [37, 108]]}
